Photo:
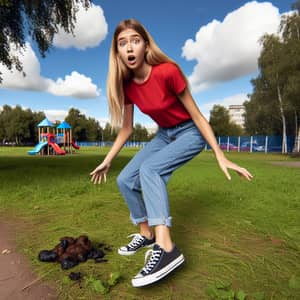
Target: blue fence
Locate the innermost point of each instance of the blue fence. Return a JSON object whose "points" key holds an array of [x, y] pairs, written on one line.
{"points": [[257, 143], [109, 144]]}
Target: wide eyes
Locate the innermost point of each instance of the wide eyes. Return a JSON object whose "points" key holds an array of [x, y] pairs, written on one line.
{"points": [[136, 41], [123, 42]]}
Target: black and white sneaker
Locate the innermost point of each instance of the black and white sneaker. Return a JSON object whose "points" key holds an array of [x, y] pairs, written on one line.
{"points": [[138, 242], [160, 264]]}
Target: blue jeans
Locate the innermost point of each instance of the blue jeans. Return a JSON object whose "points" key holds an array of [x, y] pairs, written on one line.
{"points": [[143, 181]]}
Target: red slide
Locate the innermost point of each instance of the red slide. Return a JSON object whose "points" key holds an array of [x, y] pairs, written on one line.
{"points": [[74, 145], [57, 149]]}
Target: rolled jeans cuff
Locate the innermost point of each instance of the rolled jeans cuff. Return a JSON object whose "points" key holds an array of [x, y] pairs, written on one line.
{"points": [[160, 221], [138, 220]]}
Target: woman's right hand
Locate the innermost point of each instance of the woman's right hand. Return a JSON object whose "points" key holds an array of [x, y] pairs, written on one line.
{"points": [[99, 174]]}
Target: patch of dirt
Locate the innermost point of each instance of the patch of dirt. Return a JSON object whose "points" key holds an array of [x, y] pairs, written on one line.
{"points": [[292, 164], [17, 281]]}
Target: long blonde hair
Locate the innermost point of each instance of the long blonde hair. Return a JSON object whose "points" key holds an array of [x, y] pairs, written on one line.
{"points": [[118, 72]]}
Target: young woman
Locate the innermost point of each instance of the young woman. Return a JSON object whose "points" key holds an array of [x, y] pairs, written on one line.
{"points": [[141, 74]]}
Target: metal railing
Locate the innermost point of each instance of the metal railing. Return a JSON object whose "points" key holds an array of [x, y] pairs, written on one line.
{"points": [[257, 143]]}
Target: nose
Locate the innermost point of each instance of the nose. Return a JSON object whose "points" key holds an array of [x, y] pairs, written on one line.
{"points": [[129, 47]]}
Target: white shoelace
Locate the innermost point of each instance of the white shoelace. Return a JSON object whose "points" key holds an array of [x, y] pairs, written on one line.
{"points": [[154, 258], [136, 241]]}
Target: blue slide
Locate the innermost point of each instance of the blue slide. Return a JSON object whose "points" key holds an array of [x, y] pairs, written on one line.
{"points": [[37, 148]]}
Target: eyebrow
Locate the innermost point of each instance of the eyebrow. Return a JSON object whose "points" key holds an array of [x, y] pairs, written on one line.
{"points": [[131, 36]]}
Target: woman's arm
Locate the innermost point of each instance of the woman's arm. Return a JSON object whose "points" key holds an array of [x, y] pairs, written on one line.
{"points": [[99, 173], [207, 132], [123, 135]]}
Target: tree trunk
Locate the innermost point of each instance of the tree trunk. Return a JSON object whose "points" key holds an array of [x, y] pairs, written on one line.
{"points": [[297, 143], [284, 140], [296, 148]]}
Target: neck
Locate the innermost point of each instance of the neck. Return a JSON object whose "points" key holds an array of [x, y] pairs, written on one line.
{"points": [[142, 73]]}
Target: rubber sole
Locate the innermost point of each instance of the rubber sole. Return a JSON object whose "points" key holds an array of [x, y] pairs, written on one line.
{"points": [[145, 280]]}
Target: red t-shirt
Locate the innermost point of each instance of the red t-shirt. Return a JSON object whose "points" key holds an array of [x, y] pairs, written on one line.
{"points": [[157, 96]]}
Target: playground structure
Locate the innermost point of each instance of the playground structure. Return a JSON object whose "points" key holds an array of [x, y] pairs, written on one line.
{"points": [[54, 141]]}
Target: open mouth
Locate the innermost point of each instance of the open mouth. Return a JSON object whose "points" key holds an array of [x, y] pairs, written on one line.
{"points": [[131, 58]]}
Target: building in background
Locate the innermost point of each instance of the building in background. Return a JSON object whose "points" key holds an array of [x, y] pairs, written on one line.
{"points": [[236, 113]]}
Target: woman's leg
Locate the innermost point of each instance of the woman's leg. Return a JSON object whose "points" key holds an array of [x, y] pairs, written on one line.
{"points": [[129, 183], [163, 237], [186, 143], [146, 230]]}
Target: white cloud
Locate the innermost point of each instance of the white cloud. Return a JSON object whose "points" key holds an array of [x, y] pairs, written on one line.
{"points": [[90, 30], [236, 99], [56, 115], [229, 49], [74, 85], [31, 66], [103, 121], [52, 115]]}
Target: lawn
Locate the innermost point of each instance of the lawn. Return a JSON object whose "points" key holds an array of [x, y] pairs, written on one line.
{"points": [[239, 238]]}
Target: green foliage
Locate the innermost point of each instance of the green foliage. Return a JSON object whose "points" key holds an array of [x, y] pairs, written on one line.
{"points": [[294, 282], [222, 290], [296, 5], [83, 128], [219, 120], [274, 105], [262, 117], [40, 19], [103, 287], [259, 296], [18, 125], [97, 285], [114, 278], [109, 134], [240, 295], [221, 123], [140, 133]]}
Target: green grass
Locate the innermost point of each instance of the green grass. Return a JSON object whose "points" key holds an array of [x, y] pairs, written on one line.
{"points": [[237, 236]]}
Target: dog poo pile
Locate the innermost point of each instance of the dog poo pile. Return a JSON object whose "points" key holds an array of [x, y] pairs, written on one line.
{"points": [[72, 251]]}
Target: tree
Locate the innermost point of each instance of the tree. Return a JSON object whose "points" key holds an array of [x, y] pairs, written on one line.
{"points": [[262, 116], [36, 119], [273, 65], [296, 5], [4, 117], [276, 95], [108, 133], [221, 123], [234, 129], [93, 130], [38, 19], [78, 122], [140, 133], [18, 125], [219, 120], [290, 28]]}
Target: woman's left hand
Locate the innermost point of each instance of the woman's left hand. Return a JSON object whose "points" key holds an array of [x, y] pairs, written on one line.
{"points": [[226, 164]]}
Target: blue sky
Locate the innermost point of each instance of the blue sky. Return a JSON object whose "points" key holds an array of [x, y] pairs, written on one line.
{"points": [[215, 43]]}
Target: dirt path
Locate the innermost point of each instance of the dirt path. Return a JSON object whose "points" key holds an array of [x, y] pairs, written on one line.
{"points": [[15, 272], [292, 164]]}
